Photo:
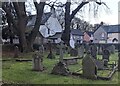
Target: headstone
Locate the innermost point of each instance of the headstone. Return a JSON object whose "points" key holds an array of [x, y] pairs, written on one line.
{"points": [[86, 47], [105, 62], [60, 69], [89, 67], [16, 52], [106, 54], [37, 62], [50, 55], [111, 49], [99, 64], [93, 51], [81, 51], [100, 50], [73, 52], [41, 50]]}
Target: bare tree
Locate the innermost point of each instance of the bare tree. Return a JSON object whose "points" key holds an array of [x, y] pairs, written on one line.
{"points": [[68, 17], [20, 24]]}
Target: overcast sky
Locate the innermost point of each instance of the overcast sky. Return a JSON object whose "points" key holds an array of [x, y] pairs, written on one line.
{"points": [[109, 16]]}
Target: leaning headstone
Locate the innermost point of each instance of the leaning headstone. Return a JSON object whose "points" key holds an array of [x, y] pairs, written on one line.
{"points": [[73, 52], [16, 52], [93, 51], [37, 63], [60, 69], [81, 51], [106, 54], [89, 67]]}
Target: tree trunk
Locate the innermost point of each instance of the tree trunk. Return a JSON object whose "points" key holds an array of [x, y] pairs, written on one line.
{"points": [[22, 21], [66, 33], [34, 32], [22, 37]]}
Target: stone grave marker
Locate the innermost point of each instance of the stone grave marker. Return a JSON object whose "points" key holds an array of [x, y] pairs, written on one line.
{"points": [[111, 49], [93, 51], [41, 50], [73, 52], [89, 67], [60, 69], [81, 51], [100, 50], [37, 62], [106, 54], [16, 52], [99, 64]]}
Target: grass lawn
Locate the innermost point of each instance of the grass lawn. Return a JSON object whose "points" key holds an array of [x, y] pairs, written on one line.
{"points": [[21, 72]]}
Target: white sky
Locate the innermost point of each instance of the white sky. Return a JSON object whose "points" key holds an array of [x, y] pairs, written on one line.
{"points": [[111, 18], [105, 15]]}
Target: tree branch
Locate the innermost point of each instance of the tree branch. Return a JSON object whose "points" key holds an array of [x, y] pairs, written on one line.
{"points": [[77, 9]]}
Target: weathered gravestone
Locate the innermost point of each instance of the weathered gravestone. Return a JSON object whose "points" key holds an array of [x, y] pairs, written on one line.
{"points": [[89, 67], [60, 69], [106, 54], [81, 51], [99, 64], [41, 50], [37, 62], [93, 51], [100, 49], [16, 52], [111, 49], [73, 52], [50, 55]]}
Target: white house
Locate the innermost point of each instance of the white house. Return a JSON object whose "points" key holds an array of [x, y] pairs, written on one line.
{"points": [[49, 24]]}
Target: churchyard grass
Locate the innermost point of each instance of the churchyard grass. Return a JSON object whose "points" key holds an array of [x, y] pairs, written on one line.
{"points": [[21, 72]]}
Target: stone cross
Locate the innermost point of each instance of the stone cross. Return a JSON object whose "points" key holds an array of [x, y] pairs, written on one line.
{"points": [[37, 62], [89, 67], [16, 52]]}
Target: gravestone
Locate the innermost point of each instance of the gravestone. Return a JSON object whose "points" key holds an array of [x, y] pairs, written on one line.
{"points": [[73, 52], [93, 51], [106, 54], [89, 67], [50, 55], [99, 64], [81, 51], [100, 50], [41, 50], [60, 69], [111, 49], [16, 52], [37, 62], [105, 62]]}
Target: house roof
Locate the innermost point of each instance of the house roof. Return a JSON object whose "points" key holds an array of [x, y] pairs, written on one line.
{"points": [[57, 35], [76, 32], [89, 33], [32, 19], [112, 28]]}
